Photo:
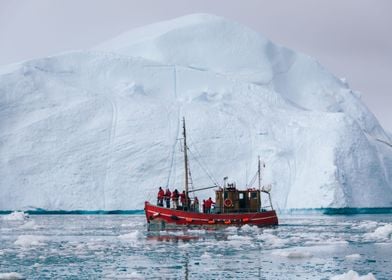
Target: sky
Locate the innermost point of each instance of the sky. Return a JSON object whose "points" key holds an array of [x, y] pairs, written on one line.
{"points": [[351, 38]]}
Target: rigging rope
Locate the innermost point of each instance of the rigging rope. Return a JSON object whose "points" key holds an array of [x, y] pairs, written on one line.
{"points": [[201, 165], [204, 169]]}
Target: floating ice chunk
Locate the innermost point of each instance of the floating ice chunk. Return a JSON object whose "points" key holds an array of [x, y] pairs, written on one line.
{"points": [[231, 229], [184, 246], [271, 240], [352, 275], [132, 236], [30, 240], [367, 225], [16, 216], [239, 237], [132, 275], [197, 231], [248, 228], [293, 254], [382, 233], [11, 276], [353, 256], [331, 241], [29, 225]]}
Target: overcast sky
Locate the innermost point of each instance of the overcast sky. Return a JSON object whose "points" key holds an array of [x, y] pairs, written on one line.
{"points": [[351, 38]]}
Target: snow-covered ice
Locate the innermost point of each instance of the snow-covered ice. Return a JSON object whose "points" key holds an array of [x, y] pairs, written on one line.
{"points": [[99, 128]]}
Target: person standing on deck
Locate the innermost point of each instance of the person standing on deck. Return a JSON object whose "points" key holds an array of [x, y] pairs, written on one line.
{"points": [[182, 199], [204, 206], [167, 197], [175, 196], [161, 194], [209, 203], [195, 206]]}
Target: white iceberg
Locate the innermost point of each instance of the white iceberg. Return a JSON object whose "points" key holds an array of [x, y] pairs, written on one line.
{"points": [[99, 129]]}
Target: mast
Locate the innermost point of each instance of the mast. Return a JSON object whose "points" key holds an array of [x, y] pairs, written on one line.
{"points": [[259, 179], [259, 173], [186, 163]]}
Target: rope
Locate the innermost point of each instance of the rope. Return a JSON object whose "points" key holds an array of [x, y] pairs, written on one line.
{"points": [[201, 165]]}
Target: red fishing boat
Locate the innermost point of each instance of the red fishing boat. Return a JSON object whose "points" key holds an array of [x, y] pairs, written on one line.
{"points": [[232, 206]]}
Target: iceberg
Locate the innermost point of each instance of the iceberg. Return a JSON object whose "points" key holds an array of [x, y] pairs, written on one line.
{"points": [[99, 128]]}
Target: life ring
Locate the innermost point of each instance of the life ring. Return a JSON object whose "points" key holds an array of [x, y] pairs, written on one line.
{"points": [[228, 202]]}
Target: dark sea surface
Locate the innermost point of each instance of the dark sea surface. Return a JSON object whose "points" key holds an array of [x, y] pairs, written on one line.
{"points": [[303, 246]]}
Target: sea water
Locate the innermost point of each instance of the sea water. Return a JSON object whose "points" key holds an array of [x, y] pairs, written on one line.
{"points": [[120, 247]]}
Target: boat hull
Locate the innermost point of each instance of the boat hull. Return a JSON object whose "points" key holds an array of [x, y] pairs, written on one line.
{"points": [[156, 214]]}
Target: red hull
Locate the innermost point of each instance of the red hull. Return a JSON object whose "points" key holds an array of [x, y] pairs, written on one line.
{"points": [[177, 217]]}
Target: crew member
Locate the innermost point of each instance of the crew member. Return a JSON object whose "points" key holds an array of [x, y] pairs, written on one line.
{"points": [[167, 197], [175, 196], [161, 194], [208, 205]]}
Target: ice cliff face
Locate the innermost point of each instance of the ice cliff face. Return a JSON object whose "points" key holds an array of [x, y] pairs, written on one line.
{"points": [[99, 129]]}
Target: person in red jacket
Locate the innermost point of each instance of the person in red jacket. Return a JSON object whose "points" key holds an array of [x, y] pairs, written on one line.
{"points": [[175, 196], [208, 205], [182, 198], [161, 194], [167, 197]]}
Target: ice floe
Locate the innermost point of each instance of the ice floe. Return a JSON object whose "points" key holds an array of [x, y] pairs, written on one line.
{"points": [[30, 240], [271, 240], [29, 225], [382, 233], [11, 276], [366, 225], [132, 236], [294, 254], [353, 275], [16, 216], [353, 256]]}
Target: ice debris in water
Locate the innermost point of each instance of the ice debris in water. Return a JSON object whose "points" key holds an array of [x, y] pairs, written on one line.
{"points": [[352, 275], [29, 225], [382, 233], [205, 256], [293, 254], [11, 276], [16, 216], [353, 256], [271, 240], [132, 236], [239, 237], [30, 240], [248, 228], [367, 225], [197, 231]]}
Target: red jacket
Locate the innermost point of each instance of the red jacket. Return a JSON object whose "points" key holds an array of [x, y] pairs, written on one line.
{"points": [[167, 194], [208, 203], [175, 195], [161, 194]]}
